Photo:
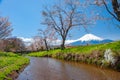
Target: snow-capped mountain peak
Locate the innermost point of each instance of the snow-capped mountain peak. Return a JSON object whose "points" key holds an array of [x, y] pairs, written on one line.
{"points": [[89, 37]]}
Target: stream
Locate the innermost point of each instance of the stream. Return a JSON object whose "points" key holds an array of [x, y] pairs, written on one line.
{"points": [[53, 69]]}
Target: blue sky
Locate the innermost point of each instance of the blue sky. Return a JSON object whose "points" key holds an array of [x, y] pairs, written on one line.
{"points": [[25, 16]]}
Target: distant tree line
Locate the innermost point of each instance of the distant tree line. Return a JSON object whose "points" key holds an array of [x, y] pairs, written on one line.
{"points": [[12, 45]]}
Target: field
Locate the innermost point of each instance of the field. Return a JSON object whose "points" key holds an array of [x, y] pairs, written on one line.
{"points": [[10, 62]]}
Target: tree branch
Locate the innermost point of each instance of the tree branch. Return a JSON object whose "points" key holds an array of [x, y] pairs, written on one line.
{"points": [[110, 11]]}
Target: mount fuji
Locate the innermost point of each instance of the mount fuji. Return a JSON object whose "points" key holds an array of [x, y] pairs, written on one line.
{"points": [[89, 39]]}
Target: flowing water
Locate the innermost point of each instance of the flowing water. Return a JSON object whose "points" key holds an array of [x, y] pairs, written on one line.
{"points": [[52, 69]]}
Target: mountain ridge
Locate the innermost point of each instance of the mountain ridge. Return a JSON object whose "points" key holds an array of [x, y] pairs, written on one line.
{"points": [[89, 39]]}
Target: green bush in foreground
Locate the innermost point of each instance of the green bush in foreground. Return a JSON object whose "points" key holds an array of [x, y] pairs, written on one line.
{"points": [[10, 62]]}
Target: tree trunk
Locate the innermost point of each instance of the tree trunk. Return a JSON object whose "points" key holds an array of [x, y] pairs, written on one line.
{"points": [[46, 44], [63, 44], [116, 7]]}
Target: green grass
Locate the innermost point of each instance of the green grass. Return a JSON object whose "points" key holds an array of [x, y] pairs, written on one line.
{"points": [[44, 53], [86, 50], [10, 62], [114, 46]]}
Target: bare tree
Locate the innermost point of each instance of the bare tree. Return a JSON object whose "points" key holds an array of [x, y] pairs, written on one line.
{"points": [[63, 17], [47, 36], [38, 43], [5, 28]]}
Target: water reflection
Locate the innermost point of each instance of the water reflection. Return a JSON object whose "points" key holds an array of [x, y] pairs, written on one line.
{"points": [[52, 69]]}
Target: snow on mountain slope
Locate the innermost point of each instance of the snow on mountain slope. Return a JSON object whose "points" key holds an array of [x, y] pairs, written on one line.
{"points": [[89, 37], [86, 37]]}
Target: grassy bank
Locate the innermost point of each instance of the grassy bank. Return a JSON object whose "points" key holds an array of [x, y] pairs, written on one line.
{"points": [[92, 54], [10, 62]]}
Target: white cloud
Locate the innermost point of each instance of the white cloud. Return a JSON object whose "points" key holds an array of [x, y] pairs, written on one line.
{"points": [[56, 42], [69, 41], [26, 39]]}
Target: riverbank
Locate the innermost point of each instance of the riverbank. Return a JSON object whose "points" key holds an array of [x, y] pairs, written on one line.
{"points": [[10, 65], [103, 55]]}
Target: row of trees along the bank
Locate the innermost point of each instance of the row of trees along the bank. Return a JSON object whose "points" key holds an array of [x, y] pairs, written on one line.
{"points": [[67, 14], [12, 45], [7, 43]]}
